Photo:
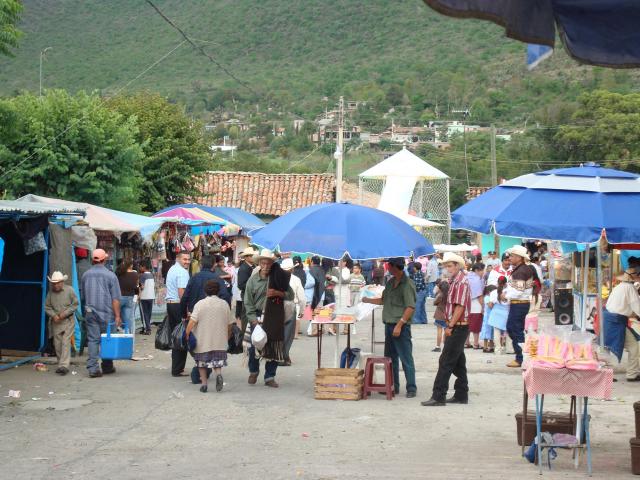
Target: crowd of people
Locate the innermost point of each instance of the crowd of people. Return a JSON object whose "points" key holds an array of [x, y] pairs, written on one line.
{"points": [[479, 303]]}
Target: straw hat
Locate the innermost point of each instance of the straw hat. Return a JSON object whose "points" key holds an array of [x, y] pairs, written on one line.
{"points": [[248, 252], [629, 275], [267, 254], [520, 251], [287, 264], [57, 277], [450, 257]]}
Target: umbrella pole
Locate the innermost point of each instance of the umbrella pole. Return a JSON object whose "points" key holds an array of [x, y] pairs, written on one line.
{"points": [[599, 291], [585, 287]]}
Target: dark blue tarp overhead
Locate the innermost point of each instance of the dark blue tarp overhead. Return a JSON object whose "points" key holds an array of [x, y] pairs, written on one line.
{"points": [[573, 205], [596, 32]]}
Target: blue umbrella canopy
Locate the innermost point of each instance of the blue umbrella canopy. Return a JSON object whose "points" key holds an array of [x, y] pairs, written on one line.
{"points": [[334, 229], [572, 204], [596, 32]]}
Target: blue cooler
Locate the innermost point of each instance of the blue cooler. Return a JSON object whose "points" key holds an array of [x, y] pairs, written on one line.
{"points": [[116, 346]]}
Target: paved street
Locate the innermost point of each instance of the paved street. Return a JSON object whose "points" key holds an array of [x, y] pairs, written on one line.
{"points": [[142, 423]]}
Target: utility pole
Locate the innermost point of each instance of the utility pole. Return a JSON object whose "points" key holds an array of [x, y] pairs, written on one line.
{"points": [[340, 151], [42, 52], [494, 180]]}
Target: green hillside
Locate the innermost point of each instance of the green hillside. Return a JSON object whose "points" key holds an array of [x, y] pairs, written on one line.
{"points": [[293, 53]]}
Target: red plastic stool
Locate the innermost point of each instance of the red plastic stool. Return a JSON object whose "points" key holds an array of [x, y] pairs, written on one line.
{"points": [[369, 386]]}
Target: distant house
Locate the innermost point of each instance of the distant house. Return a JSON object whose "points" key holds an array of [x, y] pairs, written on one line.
{"points": [[223, 148], [458, 127], [266, 195]]}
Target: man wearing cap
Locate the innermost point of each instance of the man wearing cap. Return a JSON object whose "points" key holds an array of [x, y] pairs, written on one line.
{"points": [[452, 360], [101, 303], [521, 285], [60, 305], [399, 303], [621, 322], [244, 273], [492, 260], [177, 281], [257, 291]]}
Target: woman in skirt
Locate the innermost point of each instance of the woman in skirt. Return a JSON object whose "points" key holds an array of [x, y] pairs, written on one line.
{"points": [[211, 323]]}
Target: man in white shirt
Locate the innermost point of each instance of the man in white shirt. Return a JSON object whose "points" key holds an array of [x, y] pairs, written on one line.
{"points": [[621, 326], [492, 260], [432, 275], [501, 270], [176, 283]]}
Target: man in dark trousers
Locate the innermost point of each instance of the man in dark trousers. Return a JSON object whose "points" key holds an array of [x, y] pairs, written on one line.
{"points": [[244, 273], [195, 288], [177, 280], [452, 359], [399, 303]]}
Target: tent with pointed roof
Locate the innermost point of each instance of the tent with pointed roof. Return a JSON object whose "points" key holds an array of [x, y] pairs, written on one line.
{"points": [[409, 187]]}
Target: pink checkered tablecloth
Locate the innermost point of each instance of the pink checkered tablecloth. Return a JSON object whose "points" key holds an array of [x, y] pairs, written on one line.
{"points": [[564, 381]]}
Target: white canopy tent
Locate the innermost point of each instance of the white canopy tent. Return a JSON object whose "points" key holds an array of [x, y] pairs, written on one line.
{"points": [[413, 190]]}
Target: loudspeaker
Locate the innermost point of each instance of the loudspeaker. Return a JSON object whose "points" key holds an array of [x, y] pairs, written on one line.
{"points": [[563, 306]]}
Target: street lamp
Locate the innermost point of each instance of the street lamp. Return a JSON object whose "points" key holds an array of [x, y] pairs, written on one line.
{"points": [[42, 52]]}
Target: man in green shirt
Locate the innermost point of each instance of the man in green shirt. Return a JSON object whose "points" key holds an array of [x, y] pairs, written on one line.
{"points": [[399, 302], [255, 296]]}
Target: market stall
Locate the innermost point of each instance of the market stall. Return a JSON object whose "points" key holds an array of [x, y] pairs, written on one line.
{"points": [[24, 265]]}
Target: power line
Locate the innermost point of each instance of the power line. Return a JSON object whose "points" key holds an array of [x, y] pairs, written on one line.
{"points": [[200, 49]]}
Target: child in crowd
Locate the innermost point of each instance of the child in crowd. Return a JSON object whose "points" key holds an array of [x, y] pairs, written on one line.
{"points": [[499, 311], [486, 334], [147, 295], [440, 317], [356, 283]]}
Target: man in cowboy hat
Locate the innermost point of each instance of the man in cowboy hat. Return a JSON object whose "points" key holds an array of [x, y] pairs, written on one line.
{"points": [[260, 290], [101, 302], [621, 322], [452, 360], [399, 303], [244, 273], [60, 305], [523, 283]]}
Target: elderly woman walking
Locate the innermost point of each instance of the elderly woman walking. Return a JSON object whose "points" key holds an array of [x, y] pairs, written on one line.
{"points": [[211, 322]]}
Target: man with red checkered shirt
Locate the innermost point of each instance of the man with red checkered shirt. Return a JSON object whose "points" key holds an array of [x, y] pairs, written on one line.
{"points": [[452, 359]]}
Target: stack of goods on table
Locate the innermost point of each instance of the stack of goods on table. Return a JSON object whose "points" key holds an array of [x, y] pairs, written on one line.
{"points": [[560, 347]]}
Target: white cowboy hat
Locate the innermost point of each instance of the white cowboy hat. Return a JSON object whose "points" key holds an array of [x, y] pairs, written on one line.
{"points": [[287, 264], [450, 257], [57, 277], [520, 251], [248, 252], [265, 253]]}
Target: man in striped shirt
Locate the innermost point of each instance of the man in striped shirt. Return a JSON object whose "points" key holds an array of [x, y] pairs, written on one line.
{"points": [[452, 359]]}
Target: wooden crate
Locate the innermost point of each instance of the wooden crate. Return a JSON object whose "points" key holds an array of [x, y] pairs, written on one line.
{"points": [[338, 384]]}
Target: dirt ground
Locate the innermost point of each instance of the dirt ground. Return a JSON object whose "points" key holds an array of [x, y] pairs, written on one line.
{"points": [[143, 423]]}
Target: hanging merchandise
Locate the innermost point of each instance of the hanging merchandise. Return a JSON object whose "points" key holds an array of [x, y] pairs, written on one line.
{"points": [[35, 244], [187, 244]]}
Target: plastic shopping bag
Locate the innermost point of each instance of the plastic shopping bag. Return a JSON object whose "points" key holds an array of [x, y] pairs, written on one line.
{"points": [[163, 335]]}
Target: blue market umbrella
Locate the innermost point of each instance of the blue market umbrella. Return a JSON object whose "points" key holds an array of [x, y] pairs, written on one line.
{"points": [[596, 32], [334, 229], [572, 204]]}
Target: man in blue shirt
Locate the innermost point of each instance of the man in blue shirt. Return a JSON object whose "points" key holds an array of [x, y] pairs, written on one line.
{"points": [[101, 302], [177, 280], [195, 288]]}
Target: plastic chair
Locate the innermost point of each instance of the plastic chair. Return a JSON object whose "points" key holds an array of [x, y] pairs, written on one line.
{"points": [[369, 369]]}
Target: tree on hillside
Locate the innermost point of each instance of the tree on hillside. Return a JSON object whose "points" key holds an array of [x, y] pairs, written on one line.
{"points": [[9, 35], [176, 153], [69, 147], [606, 130]]}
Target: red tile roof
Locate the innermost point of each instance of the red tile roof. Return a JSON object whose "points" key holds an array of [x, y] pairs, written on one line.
{"points": [[475, 192], [265, 193]]}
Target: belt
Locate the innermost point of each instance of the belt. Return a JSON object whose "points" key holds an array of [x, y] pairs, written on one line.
{"points": [[520, 301], [173, 301]]}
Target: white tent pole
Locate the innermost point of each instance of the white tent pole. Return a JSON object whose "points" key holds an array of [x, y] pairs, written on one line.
{"points": [[599, 291]]}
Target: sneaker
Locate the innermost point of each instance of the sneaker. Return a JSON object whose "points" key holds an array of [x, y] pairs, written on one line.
{"points": [[513, 364], [437, 349], [271, 383], [96, 374], [62, 370], [219, 383]]}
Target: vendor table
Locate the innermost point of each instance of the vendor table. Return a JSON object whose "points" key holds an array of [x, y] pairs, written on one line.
{"points": [[540, 381], [320, 322]]}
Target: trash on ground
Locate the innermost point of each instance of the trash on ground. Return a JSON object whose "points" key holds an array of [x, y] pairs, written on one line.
{"points": [[40, 367], [13, 394]]}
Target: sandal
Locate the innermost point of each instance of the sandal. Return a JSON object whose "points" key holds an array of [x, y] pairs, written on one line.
{"points": [[467, 345], [477, 347]]}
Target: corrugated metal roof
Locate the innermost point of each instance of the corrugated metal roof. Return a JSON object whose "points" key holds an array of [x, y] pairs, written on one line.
{"points": [[32, 208]]}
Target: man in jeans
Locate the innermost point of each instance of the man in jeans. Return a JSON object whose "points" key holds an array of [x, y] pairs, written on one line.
{"points": [[101, 301], [420, 313], [177, 280], [432, 275], [452, 360], [399, 302]]}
